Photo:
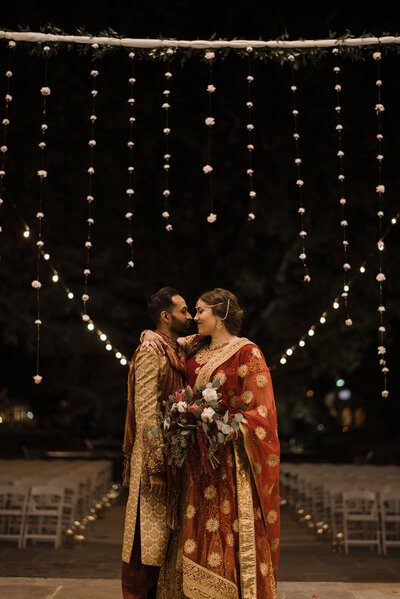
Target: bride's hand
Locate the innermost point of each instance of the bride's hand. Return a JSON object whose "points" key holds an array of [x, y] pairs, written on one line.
{"points": [[151, 340]]}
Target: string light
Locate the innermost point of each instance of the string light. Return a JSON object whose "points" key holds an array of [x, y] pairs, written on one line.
{"points": [[90, 221], [167, 130], [299, 181], [380, 189], [341, 178], [210, 122], [130, 189], [5, 123], [336, 304], [250, 145], [45, 91]]}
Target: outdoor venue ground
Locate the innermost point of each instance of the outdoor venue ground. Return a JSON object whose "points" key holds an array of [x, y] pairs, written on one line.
{"points": [[308, 568]]}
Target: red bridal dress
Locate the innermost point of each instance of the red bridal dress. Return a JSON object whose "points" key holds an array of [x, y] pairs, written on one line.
{"points": [[228, 545]]}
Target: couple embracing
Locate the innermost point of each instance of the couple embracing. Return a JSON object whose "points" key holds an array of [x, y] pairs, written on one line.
{"points": [[225, 543]]}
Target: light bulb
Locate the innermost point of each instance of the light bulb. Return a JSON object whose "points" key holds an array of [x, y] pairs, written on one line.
{"points": [[90, 326], [118, 355], [362, 269], [394, 221], [70, 295], [289, 351], [311, 332], [103, 337], [302, 343], [346, 288], [55, 278], [108, 347], [335, 305], [46, 256], [283, 360], [322, 319], [123, 361], [27, 233]]}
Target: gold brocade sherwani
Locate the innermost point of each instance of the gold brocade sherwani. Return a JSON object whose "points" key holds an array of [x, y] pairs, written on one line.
{"points": [[146, 459]]}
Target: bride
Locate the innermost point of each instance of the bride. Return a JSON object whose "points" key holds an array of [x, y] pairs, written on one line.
{"points": [[228, 543]]}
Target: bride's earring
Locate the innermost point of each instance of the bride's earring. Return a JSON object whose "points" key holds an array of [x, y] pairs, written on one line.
{"points": [[219, 324]]}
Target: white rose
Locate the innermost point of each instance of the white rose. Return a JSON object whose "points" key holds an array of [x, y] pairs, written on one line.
{"points": [[181, 406], [210, 394], [207, 414]]}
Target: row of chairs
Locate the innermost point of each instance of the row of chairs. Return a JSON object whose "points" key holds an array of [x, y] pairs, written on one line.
{"points": [[45, 502], [362, 502]]}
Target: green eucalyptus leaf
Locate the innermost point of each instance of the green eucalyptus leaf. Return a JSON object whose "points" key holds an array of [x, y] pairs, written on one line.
{"points": [[155, 431], [226, 429], [226, 417], [221, 438], [239, 417], [216, 384], [235, 425], [205, 427]]}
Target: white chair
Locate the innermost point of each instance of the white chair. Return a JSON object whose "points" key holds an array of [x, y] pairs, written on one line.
{"points": [[13, 503], [389, 502], [44, 515], [360, 519]]}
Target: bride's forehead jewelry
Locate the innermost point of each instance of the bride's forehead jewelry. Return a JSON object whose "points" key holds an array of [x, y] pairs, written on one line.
{"points": [[205, 306]]}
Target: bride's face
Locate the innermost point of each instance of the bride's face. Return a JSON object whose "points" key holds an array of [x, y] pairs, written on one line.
{"points": [[205, 319]]}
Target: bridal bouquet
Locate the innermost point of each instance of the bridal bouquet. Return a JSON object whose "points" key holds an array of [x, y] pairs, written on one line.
{"points": [[195, 428]]}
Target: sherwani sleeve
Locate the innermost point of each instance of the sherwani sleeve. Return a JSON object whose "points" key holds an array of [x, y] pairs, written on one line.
{"points": [[149, 369]]}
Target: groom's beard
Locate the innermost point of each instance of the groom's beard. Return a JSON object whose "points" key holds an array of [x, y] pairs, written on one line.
{"points": [[182, 328]]}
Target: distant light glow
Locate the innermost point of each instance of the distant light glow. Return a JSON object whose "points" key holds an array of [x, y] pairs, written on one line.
{"points": [[283, 360], [362, 269], [322, 320], [103, 337], [289, 351], [302, 343], [55, 278], [335, 305], [340, 383], [70, 295], [29, 415], [311, 332], [344, 394], [108, 347], [310, 393], [320, 428]]}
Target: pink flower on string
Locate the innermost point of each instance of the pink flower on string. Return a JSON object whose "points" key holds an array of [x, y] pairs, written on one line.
{"points": [[38, 379], [380, 189], [129, 192], [379, 108], [209, 121], [129, 240], [85, 297], [165, 214], [207, 169], [130, 264], [300, 182], [252, 194], [94, 73], [92, 143], [381, 350], [209, 55], [380, 277], [251, 216], [42, 174], [376, 55], [45, 91], [303, 256], [166, 193], [348, 322], [211, 88], [168, 75], [307, 278], [129, 215], [211, 218], [169, 227], [385, 393], [36, 284]]}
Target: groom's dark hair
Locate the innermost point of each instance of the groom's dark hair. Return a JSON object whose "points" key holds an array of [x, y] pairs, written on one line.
{"points": [[160, 301]]}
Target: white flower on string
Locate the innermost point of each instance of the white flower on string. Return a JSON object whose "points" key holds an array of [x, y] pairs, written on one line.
{"points": [[296, 136], [38, 379], [385, 393], [382, 329], [169, 227], [167, 167], [38, 322], [339, 127], [168, 75], [379, 82], [166, 92], [301, 210], [307, 278], [44, 127], [249, 104], [129, 192], [380, 277], [336, 69], [295, 112], [85, 297], [210, 121], [88, 244], [131, 80], [130, 264], [36, 284], [252, 194], [85, 317], [343, 201], [348, 322], [211, 218], [379, 157], [290, 57], [39, 215], [45, 91], [211, 88], [8, 97], [207, 169], [297, 161], [345, 242], [341, 177], [251, 216], [87, 272], [250, 78], [249, 171], [380, 214], [250, 127], [209, 55], [130, 144], [129, 240], [381, 309], [90, 221], [131, 100], [131, 169], [165, 214], [385, 369], [303, 256], [42, 145], [293, 88], [11, 44], [128, 215], [90, 198], [94, 73], [132, 119], [250, 147], [381, 350], [377, 56], [300, 182], [338, 87], [8, 74], [379, 108], [92, 143], [42, 174], [94, 92], [90, 170], [131, 55], [5, 122], [346, 266], [3, 149], [165, 106], [344, 223], [338, 108], [167, 130], [167, 156], [340, 153], [303, 233], [46, 49], [40, 243]]}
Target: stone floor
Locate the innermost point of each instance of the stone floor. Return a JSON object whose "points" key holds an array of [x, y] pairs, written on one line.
{"points": [[308, 568]]}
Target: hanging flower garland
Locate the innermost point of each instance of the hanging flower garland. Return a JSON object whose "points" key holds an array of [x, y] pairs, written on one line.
{"points": [[90, 198], [380, 190], [166, 131], [340, 154], [299, 180], [42, 174], [210, 122], [5, 123], [250, 145], [130, 190]]}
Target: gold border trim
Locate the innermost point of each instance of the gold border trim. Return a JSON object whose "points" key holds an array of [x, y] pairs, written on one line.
{"points": [[206, 371], [247, 536], [200, 583]]}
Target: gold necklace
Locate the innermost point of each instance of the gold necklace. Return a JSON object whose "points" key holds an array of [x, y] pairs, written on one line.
{"points": [[220, 345]]}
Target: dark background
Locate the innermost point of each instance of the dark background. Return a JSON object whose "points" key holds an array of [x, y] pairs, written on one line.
{"points": [[83, 390]]}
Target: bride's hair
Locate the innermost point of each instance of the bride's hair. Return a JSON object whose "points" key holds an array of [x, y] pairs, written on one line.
{"points": [[225, 305]]}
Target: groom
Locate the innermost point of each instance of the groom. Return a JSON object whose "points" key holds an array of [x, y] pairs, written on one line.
{"points": [[152, 377]]}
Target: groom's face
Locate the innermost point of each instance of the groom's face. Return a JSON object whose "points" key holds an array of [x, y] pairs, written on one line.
{"points": [[181, 320]]}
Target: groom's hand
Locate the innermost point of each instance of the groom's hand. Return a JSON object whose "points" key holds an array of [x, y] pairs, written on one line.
{"points": [[158, 484]]}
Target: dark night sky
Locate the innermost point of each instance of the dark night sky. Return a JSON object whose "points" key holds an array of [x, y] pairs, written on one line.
{"points": [[258, 262]]}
